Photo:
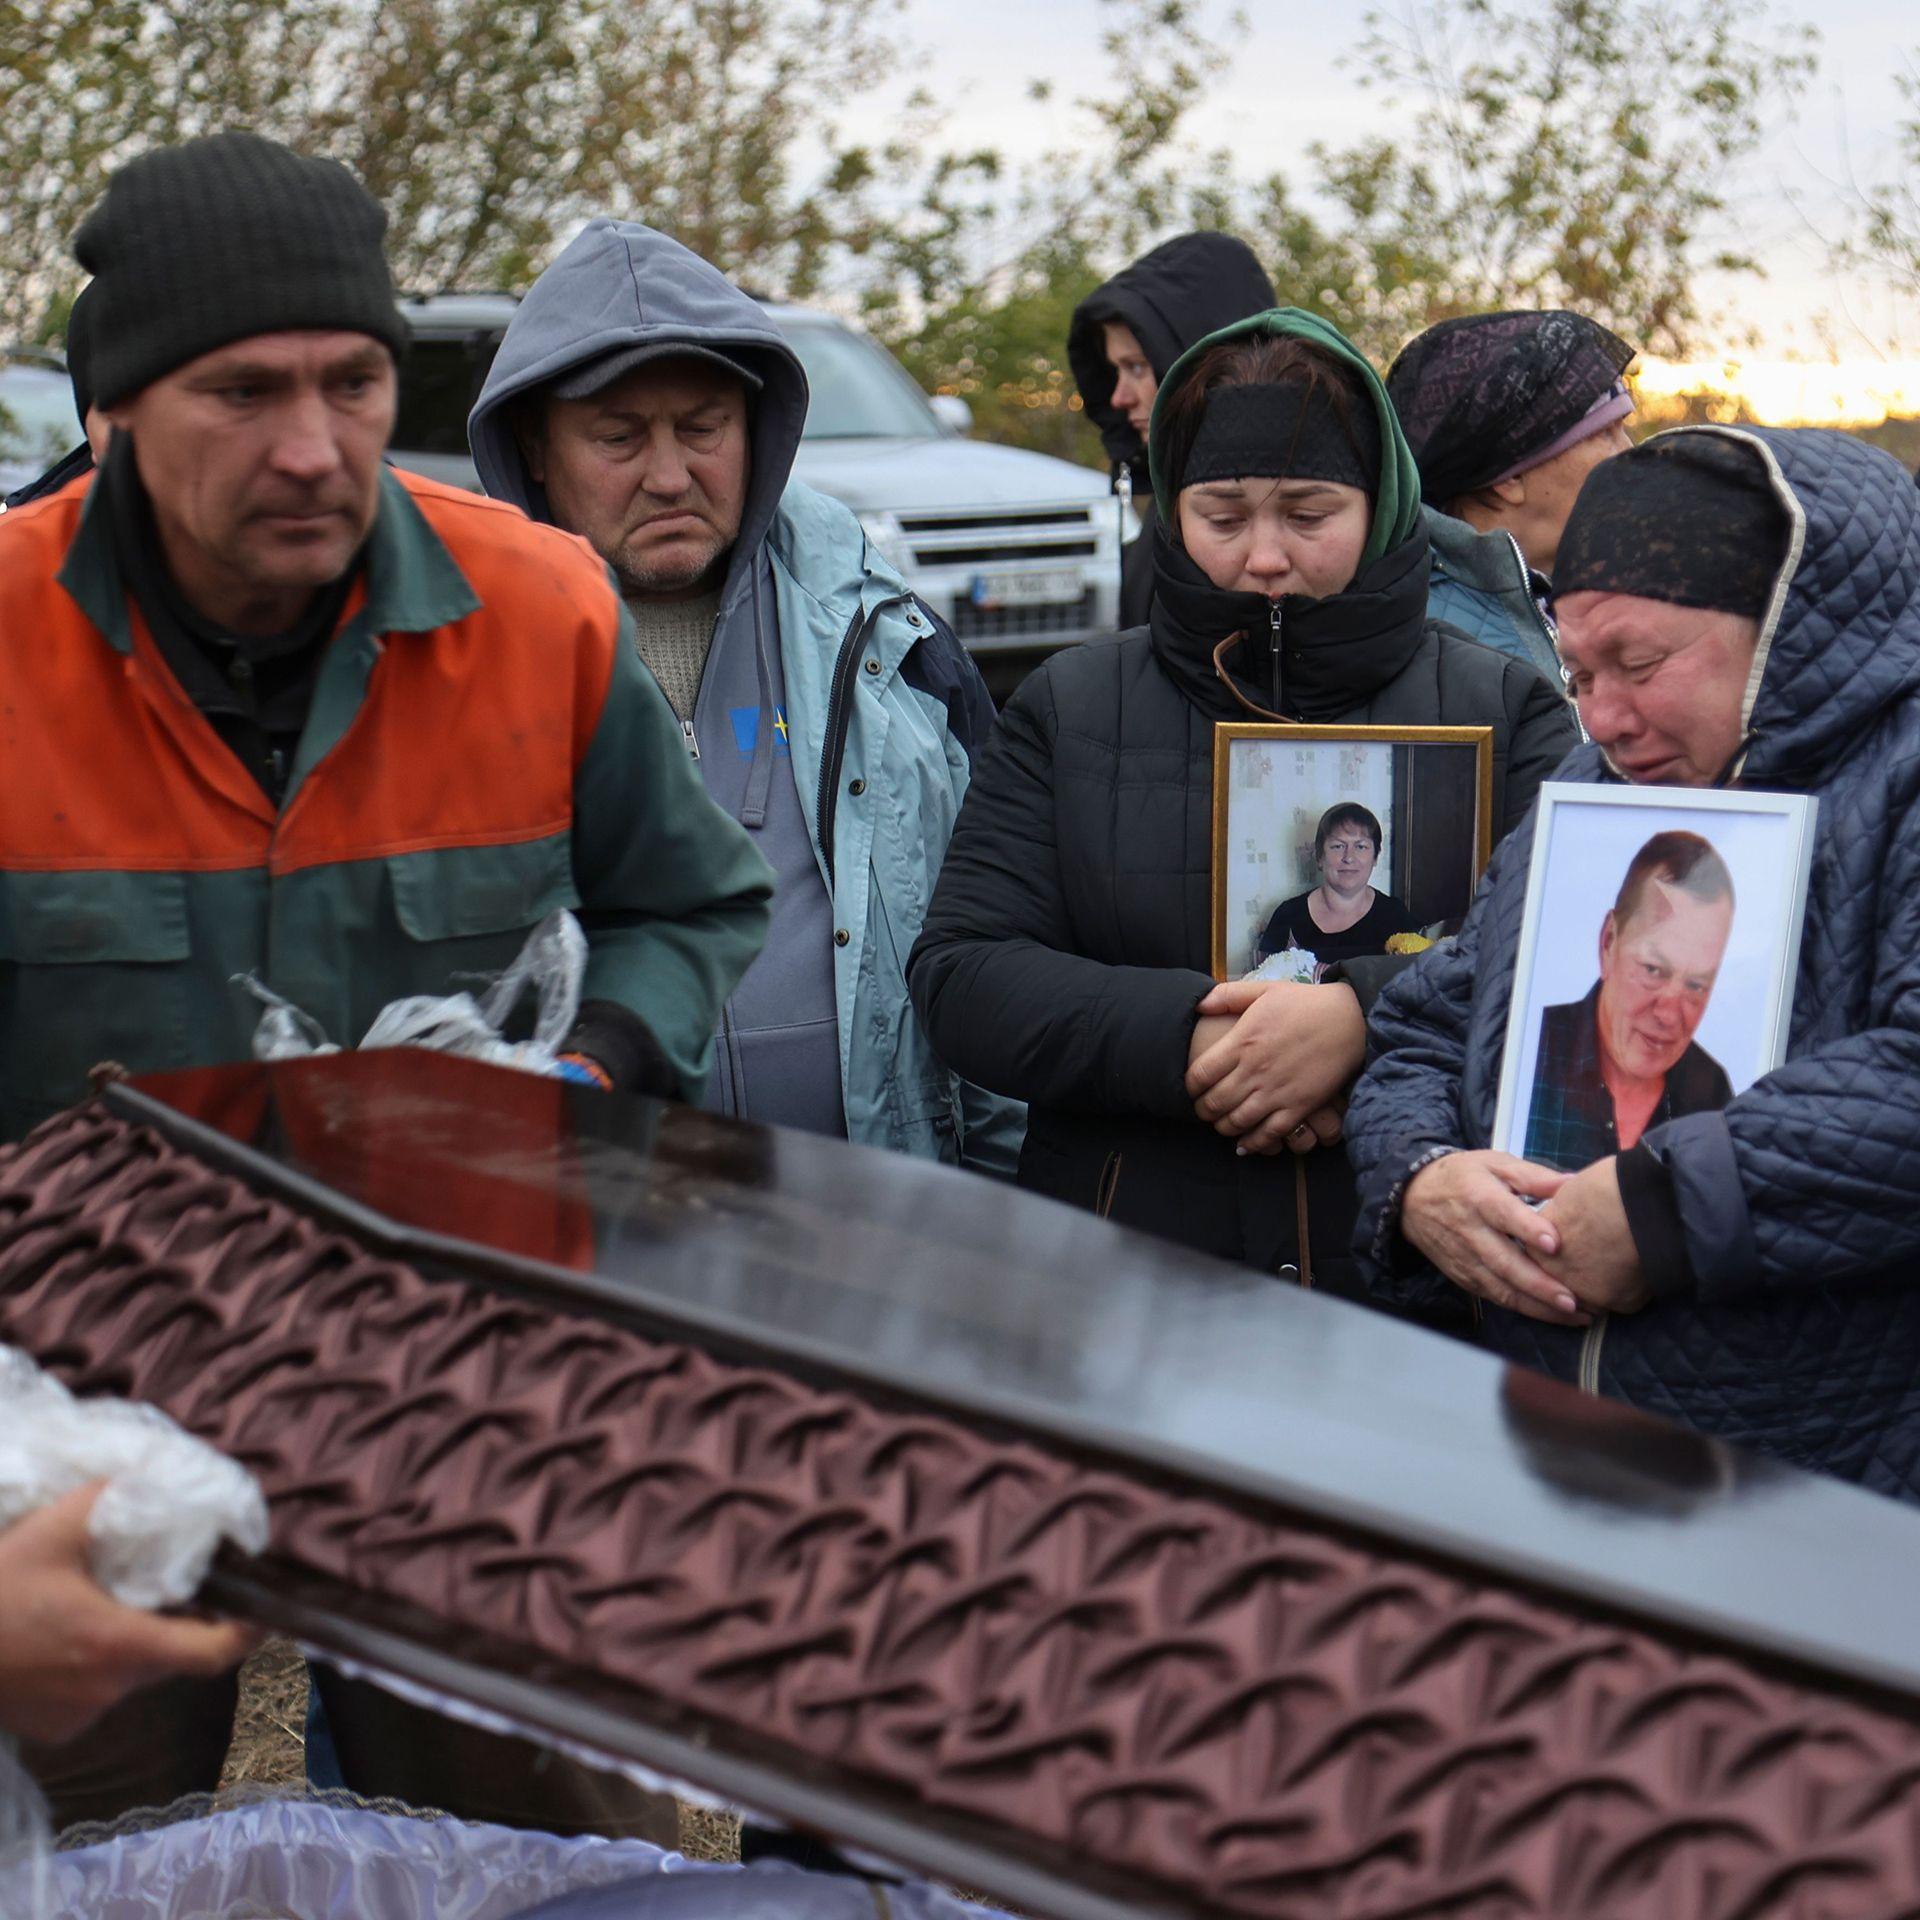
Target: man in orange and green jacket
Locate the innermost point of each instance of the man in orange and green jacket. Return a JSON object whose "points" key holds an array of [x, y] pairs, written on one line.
{"points": [[269, 708]]}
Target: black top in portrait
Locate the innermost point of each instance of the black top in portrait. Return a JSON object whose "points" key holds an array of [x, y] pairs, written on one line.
{"points": [[1293, 925]]}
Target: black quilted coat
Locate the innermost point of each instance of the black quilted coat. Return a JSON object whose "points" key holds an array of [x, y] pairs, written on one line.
{"points": [[1800, 1334], [1067, 946]]}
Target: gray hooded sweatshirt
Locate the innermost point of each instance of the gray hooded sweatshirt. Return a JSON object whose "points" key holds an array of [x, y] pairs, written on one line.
{"points": [[618, 284]]}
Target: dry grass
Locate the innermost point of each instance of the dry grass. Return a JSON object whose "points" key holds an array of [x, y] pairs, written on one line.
{"points": [[269, 1746], [269, 1727], [706, 1835]]}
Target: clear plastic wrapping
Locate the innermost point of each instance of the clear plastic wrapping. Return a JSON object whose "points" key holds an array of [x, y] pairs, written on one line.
{"points": [[169, 1500], [552, 963]]}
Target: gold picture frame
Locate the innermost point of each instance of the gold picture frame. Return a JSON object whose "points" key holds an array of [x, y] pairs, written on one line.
{"points": [[1403, 775]]}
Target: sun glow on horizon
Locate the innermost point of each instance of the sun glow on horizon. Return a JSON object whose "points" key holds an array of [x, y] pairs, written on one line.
{"points": [[1784, 393]]}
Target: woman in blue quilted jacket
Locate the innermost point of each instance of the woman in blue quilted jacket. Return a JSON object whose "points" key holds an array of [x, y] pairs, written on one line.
{"points": [[1737, 608]]}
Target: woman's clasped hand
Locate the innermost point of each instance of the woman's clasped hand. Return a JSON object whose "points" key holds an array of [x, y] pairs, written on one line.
{"points": [[1271, 1061], [1552, 1246]]}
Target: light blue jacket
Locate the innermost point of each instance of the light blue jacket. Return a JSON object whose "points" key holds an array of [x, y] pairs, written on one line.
{"points": [[1480, 584], [848, 621], [883, 708]]}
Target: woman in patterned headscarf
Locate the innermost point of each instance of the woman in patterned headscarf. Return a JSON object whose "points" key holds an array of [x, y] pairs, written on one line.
{"points": [[1507, 414]]}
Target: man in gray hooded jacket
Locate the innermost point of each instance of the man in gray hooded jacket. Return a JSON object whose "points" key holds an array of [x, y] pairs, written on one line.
{"points": [[642, 401]]}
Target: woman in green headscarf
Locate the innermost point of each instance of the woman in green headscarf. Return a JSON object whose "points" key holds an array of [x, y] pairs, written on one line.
{"points": [[1064, 960]]}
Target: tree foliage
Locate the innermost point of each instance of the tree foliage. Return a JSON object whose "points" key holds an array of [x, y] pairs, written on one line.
{"points": [[1886, 228], [1571, 153], [488, 128], [974, 286], [1535, 153], [86, 84], [1531, 152]]}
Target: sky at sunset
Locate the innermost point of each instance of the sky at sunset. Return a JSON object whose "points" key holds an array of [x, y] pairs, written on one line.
{"points": [[1287, 88]]}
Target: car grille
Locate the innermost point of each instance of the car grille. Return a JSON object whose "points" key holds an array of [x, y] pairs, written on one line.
{"points": [[1016, 623], [999, 537]]}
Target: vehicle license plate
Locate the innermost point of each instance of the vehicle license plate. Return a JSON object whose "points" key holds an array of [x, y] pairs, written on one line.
{"points": [[1030, 587]]}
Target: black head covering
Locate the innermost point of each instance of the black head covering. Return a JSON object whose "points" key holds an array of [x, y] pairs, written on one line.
{"points": [[80, 351], [1690, 517], [195, 246], [1285, 430], [1478, 394], [1179, 293]]}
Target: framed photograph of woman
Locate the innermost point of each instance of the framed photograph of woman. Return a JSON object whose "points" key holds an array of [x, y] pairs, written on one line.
{"points": [[1656, 966], [1334, 842]]}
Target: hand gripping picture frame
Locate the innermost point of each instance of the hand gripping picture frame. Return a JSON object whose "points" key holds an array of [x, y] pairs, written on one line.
{"points": [[1657, 961], [1329, 842]]}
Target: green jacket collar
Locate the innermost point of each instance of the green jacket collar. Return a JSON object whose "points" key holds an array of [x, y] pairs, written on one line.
{"points": [[91, 571], [413, 583]]}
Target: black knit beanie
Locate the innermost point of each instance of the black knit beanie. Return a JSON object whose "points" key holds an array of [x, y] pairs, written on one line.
{"points": [[1689, 517], [1285, 430], [196, 246], [80, 351]]}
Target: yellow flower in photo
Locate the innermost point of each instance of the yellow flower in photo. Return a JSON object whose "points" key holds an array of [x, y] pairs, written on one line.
{"points": [[1408, 943]]}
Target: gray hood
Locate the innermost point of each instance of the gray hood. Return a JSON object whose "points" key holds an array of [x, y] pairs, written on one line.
{"points": [[620, 284]]}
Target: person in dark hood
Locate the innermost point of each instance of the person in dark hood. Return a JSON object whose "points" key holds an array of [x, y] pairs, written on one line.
{"points": [[1507, 414], [93, 423], [641, 400], [1124, 337], [1064, 960], [1738, 609]]}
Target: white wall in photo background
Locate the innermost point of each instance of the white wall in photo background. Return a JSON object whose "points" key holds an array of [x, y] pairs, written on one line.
{"points": [[1277, 790]]}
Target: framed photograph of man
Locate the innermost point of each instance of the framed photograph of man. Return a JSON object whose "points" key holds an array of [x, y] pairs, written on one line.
{"points": [[1656, 966], [1330, 842]]}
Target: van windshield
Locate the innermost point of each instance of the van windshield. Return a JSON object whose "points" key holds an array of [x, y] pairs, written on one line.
{"points": [[859, 391]]}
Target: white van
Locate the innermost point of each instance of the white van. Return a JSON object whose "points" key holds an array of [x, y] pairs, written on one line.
{"points": [[1020, 551]]}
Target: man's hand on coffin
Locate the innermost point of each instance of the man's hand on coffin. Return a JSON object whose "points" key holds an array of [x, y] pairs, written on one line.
{"points": [[1597, 1262], [1290, 1053], [67, 1650], [1468, 1213]]}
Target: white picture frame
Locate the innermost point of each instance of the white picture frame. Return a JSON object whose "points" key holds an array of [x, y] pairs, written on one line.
{"points": [[1585, 838]]}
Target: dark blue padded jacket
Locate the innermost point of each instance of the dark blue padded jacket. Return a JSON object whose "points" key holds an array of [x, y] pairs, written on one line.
{"points": [[1799, 1333]]}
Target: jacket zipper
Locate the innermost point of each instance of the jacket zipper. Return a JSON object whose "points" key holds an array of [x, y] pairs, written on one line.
{"points": [[1274, 622], [1540, 619], [833, 752], [693, 745], [1590, 1345]]}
